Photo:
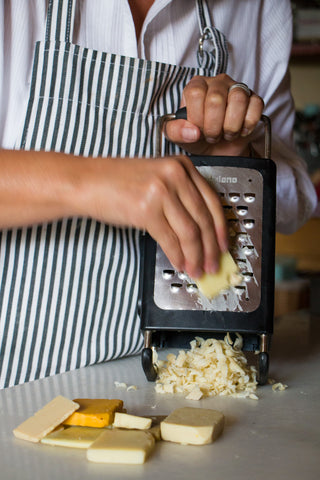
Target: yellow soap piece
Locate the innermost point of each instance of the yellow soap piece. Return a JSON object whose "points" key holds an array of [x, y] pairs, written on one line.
{"points": [[74, 437], [95, 412], [228, 274], [195, 426], [46, 420], [124, 420], [121, 446]]}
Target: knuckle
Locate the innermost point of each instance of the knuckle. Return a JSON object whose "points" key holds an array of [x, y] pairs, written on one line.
{"points": [[192, 233], [215, 100], [238, 95], [223, 77], [155, 191], [174, 170], [258, 99]]}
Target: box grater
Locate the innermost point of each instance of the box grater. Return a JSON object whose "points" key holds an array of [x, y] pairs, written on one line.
{"points": [[171, 308]]}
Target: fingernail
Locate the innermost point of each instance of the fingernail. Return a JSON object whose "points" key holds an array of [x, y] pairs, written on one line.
{"points": [[197, 274], [189, 134], [213, 267], [212, 139], [245, 132], [229, 137]]}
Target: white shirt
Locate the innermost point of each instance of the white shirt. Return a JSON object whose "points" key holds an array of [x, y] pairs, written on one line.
{"points": [[259, 36]]}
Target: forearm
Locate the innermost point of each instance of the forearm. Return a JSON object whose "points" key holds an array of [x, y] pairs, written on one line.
{"points": [[37, 187]]}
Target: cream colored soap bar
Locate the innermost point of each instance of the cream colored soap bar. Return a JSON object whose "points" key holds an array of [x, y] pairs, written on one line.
{"points": [[74, 437], [195, 426], [228, 274], [124, 420], [121, 446], [46, 420]]}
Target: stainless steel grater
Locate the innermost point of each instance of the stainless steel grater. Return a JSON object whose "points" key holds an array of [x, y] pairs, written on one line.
{"points": [[173, 311]]}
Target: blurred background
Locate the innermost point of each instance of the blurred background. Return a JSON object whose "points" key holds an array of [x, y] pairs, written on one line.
{"points": [[298, 255]]}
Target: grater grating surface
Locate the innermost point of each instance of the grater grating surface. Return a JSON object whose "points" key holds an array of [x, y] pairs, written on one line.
{"points": [[241, 192]]}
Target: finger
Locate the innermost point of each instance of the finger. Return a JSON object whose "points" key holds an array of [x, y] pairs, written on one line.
{"points": [[194, 96], [189, 237], [215, 237], [237, 106], [189, 217], [253, 114], [215, 108], [161, 231], [208, 257]]}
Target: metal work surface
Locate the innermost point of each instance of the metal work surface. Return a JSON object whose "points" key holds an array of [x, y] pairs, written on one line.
{"points": [[276, 437]]}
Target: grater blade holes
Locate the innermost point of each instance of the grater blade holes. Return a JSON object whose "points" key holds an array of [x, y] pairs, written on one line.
{"points": [[175, 287], [248, 223], [191, 288], [234, 197], [249, 197], [241, 210], [248, 250], [167, 274]]}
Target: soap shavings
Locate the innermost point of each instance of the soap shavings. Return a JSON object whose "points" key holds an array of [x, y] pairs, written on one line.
{"points": [[211, 367], [277, 386], [124, 385]]}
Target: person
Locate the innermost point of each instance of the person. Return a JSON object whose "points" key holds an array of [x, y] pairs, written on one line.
{"points": [[81, 86]]}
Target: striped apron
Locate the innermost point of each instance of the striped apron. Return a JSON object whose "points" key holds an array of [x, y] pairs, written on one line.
{"points": [[69, 289]]}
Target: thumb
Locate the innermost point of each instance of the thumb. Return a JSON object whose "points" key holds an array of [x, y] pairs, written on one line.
{"points": [[181, 131]]}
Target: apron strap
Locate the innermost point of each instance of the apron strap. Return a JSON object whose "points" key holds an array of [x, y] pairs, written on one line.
{"points": [[60, 20], [213, 47]]}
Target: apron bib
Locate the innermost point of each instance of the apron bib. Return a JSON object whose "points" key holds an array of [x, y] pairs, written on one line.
{"points": [[69, 289]]}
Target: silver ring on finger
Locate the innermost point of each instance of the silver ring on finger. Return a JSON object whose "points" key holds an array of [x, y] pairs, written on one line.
{"points": [[243, 86]]}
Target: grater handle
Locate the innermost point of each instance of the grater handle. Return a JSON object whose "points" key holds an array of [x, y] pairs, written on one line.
{"points": [[181, 114]]}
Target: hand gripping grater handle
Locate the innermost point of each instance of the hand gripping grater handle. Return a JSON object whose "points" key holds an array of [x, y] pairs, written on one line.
{"points": [[182, 114], [165, 325]]}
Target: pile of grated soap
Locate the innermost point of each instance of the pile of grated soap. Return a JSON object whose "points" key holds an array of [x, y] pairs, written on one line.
{"points": [[211, 367]]}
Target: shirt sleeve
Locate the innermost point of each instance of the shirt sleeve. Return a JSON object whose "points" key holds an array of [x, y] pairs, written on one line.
{"points": [[21, 25], [296, 195]]}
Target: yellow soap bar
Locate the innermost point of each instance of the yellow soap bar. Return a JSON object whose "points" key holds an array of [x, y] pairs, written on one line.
{"points": [[228, 274], [97, 412], [124, 420], [74, 437], [121, 446], [195, 426], [46, 420]]}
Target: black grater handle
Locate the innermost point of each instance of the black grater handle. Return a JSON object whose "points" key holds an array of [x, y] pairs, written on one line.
{"points": [[181, 114]]}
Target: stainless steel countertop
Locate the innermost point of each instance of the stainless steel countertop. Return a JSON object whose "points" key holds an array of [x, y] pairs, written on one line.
{"points": [[276, 437]]}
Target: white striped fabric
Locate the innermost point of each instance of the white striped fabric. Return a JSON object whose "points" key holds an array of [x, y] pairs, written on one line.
{"points": [[69, 289]]}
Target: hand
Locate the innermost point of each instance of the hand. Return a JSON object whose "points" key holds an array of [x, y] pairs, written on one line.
{"points": [[219, 121], [166, 197]]}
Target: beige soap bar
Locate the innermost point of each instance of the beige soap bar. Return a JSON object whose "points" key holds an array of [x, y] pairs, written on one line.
{"points": [[195, 426], [121, 446], [45, 420], [74, 437], [228, 274], [124, 420]]}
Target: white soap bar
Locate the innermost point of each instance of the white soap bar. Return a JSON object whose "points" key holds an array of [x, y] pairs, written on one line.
{"points": [[228, 275], [121, 446], [124, 420], [74, 437], [196, 426], [46, 420]]}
